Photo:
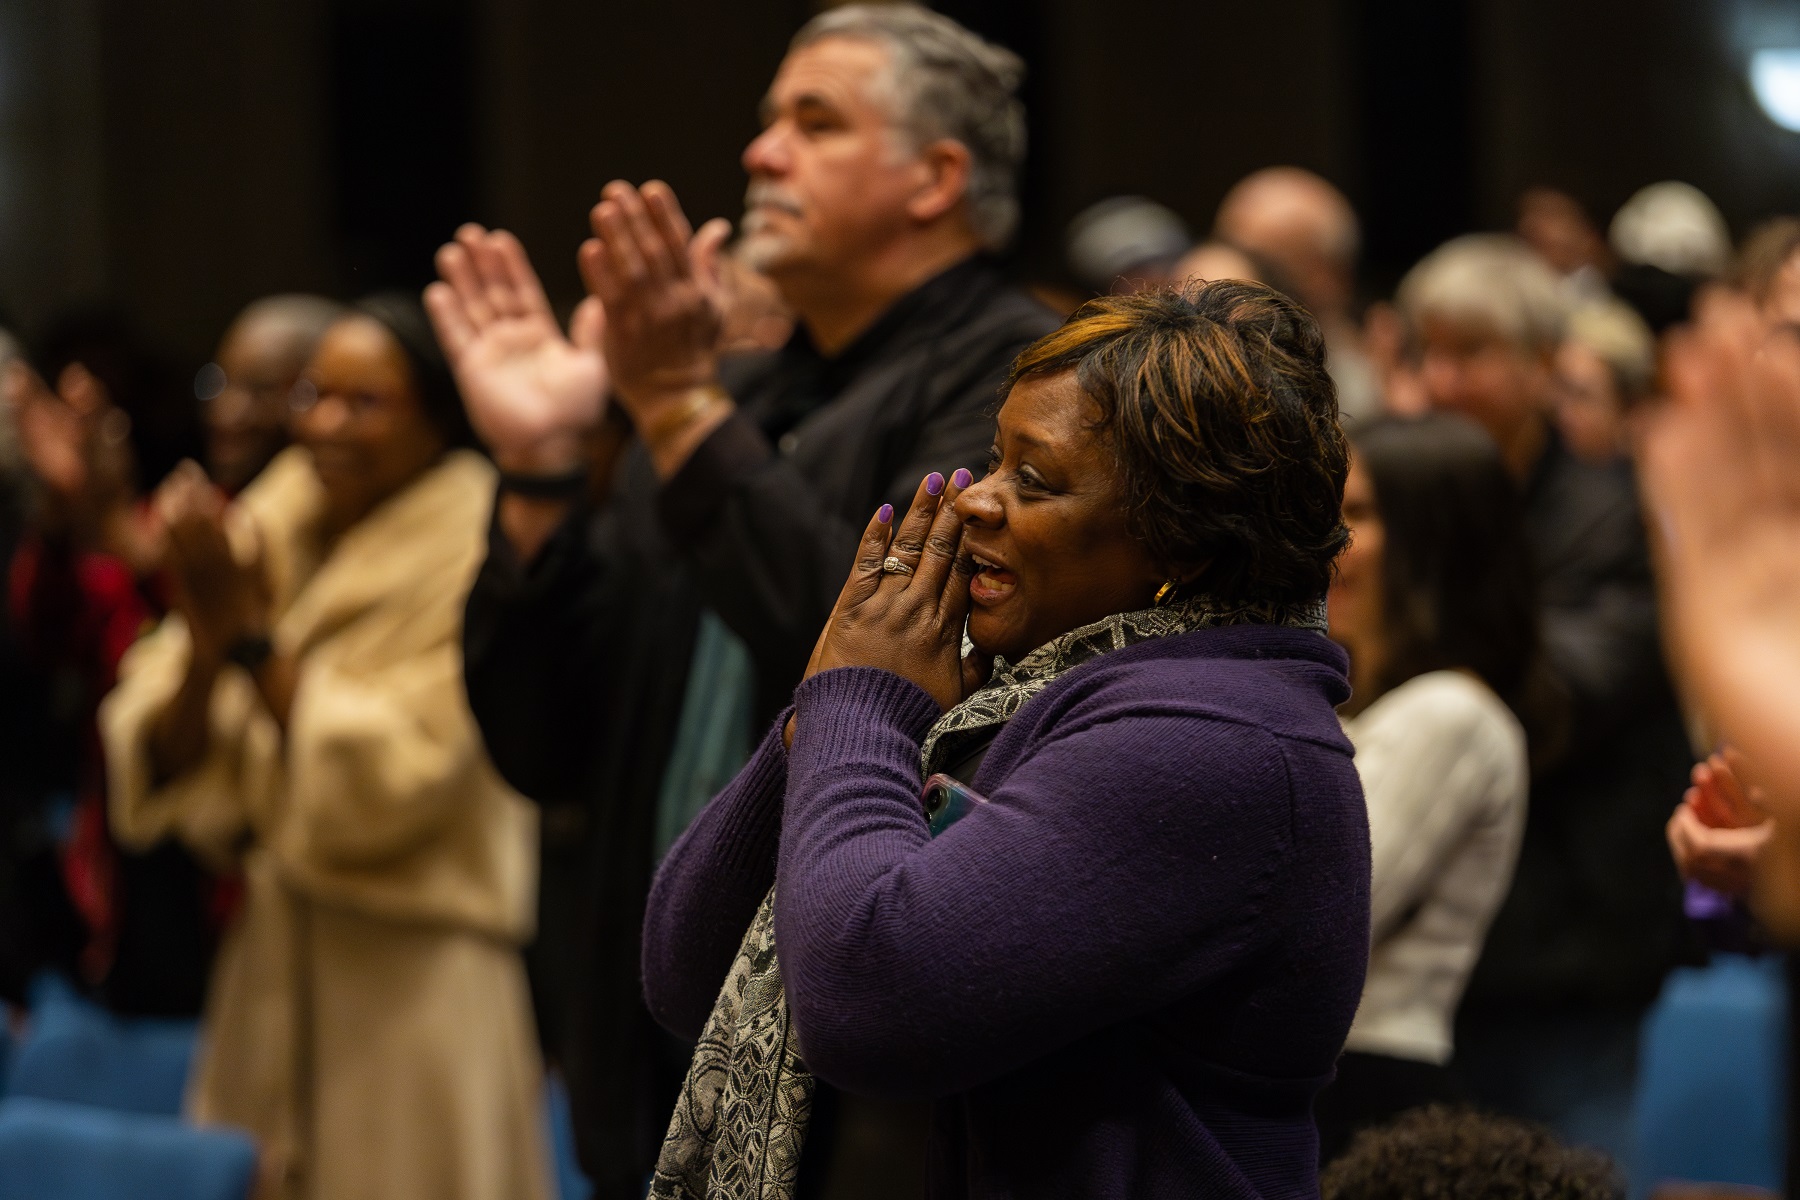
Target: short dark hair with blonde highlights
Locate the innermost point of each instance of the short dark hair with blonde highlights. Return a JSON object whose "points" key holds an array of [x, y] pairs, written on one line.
{"points": [[1225, 425]]}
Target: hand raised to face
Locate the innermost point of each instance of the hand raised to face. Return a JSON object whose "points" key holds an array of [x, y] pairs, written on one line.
{"points": [[665, 303], [531, 393], [904, 605]]}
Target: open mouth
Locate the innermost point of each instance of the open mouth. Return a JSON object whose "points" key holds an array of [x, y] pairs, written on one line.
{"points": [[992, 582]]}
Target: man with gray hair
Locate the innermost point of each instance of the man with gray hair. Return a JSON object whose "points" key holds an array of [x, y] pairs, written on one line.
{"points": [[645, 612], [1549, 1027]]}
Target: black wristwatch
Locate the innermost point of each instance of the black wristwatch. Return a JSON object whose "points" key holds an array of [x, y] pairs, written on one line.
{"points": [[250, 651]]}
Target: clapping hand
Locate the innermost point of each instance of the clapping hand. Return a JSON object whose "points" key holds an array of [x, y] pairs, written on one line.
{"points": [[1721, 470], [904, 606], [222, 598], [1718, 832], [68, 438], [659, 282], [531, 392]]}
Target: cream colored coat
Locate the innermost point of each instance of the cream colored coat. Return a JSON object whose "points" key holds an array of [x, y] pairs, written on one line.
{"points": [[368, 1018]]}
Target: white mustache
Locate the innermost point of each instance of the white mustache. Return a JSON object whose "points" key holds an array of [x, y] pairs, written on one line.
{"points": [[763, 194]]}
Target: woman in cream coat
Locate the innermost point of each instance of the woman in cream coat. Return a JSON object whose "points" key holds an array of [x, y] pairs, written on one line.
{"points": [[302, 718]]}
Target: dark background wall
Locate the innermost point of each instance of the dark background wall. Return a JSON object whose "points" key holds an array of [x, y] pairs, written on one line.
{"points": [[182, 157]]}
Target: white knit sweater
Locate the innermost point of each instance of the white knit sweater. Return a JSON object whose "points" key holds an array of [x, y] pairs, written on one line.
{"points": [[1444, 770]]}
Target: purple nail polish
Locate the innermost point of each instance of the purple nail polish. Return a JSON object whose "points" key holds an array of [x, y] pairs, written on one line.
{"points": [[934, 483], [962, 478], [885, 513]]}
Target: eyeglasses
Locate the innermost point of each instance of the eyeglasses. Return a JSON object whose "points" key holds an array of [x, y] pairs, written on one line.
{"points": [[305, 397], [211, 382]]}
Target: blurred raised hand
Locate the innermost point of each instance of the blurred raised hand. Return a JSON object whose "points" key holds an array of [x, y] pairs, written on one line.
{"points": [[75, 442], [1721, 476], [57, 433], [531, 392]]}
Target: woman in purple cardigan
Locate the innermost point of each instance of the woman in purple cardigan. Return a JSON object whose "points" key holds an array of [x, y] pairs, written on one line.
{"points": [[1121, 955]]}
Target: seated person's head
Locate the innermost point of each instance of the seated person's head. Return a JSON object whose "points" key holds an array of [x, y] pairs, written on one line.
{"points": [[886, 126], [1304, 226], [376, 405], [1212, 260], [1183, 438], [1555, 224], [1604, 367], [1487, 316], [1441, 1153], [245, 390], [1127, 244], [1768, 270], [1437, 575]]}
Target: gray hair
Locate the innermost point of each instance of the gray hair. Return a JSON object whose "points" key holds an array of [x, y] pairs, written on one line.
{"points": [[1673, 226], [301, 319], [1493, 279], [1619, 338], [951, 84]]}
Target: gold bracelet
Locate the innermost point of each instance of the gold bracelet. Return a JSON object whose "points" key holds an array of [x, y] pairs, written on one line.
{"points": [[702, 399]]}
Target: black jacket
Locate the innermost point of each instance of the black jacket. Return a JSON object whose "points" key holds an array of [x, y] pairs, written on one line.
{"points": [[576, 666], [1594, 915]]}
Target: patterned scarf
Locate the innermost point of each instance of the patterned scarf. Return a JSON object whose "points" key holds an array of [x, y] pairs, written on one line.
{"points": [[741, 1119]]}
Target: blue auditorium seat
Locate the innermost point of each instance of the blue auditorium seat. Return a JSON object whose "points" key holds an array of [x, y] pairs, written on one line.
{"points": [[1711, 1094], [76, 1051], [571, 1184], [54, 1151]]}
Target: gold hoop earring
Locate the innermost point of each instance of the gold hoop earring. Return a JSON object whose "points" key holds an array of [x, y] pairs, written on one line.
{"points": [[1163, 593]]}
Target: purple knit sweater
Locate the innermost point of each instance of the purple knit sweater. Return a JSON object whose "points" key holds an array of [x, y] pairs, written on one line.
{"points": [[1127, 976]]}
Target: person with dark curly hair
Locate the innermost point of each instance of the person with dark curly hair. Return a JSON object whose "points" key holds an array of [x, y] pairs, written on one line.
{"points": [[1099, 887], [1441, 1153]]}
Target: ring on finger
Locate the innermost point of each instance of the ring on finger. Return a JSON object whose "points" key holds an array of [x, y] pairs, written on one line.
{"points": [[893, 566]]}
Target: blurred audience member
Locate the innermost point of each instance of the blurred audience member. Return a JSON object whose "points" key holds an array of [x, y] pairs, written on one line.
{"points": [[1722, 473], [82, 589], [1593, 922], [1126, 244], [1556, 225], [1669, 238], [1306, 228], [141, 925], [1433, 599], [1213, 259], [1389, 344], [244, 391], [1604, 368], [81, 447], [12, 455], [155, 409], [1768, 270], [623, 654], [1721, 465], [301, 717], [1444, 1153], [70, 613], [38, 926]]}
